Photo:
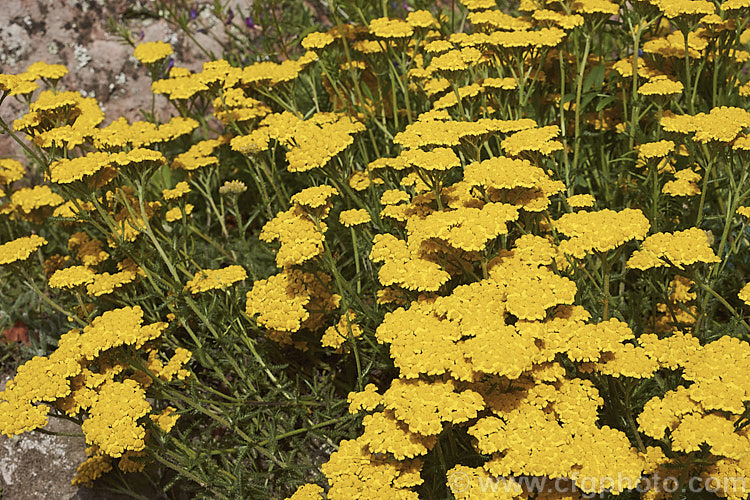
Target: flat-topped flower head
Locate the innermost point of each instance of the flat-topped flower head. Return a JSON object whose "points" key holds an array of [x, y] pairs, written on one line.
{"points": [[594, 7], [679, 249], [685, 10], [152, 52], [314, 197], [479, 4], [581, 201], [66, 171], [659, 149], [685, 183], [177, 192], [15, 85], [354, 217], [10, 171], [661, 86], [732, 6], [215, 279], [317, 40], [539, 140], [600, 231], [434, 159], [455, 60], [498, 20], [71, 277], [106, 283], [385, 27], [30, 199], [514, 41], [20, 249], [421, 19], [722, 124], [50, 72], [553, 18]]}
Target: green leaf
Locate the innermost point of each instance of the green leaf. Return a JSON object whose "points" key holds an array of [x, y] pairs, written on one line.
{"points": [[605, 102], [595, 78]]}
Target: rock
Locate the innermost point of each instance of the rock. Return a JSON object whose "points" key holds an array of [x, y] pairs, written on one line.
{"points": [[35, 465]]}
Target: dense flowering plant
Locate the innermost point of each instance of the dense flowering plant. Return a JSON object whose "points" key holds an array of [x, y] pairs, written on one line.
{"points": [[428, 251]]}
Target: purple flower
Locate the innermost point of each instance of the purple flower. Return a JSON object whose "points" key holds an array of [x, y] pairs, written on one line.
{"points": [[193, 13], [249, 23], [170, 65], [230, 16]]}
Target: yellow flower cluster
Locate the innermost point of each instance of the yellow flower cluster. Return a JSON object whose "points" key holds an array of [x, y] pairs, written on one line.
{"points": [[30, 200], [405, 268], [152, 52], [20, 249], [301, 236], [10, 171], [112, 423], [354, 472], [685, 183], [721, 124], [66, 171], [77, 377], [120, 134], [538, 140], [473, 250], [301, 138], [339, 333], [514, 181], [234, 106], [215, 279], [600, 231], [106, 283], [181, 189], [71, 277], [678, 249], [354, 217], [390, 28], [468, 229], [198, 156], [291, 300]]}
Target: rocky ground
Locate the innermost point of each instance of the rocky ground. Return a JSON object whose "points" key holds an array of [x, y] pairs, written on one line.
{"points": [[75, 33]]}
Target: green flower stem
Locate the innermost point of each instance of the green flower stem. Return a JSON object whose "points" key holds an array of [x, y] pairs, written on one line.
{"points": [[708, 168], [355, 251], [202, 187], [629, 416], [579, 91], [605, 284], [563, 125], [54, 433], [287, 434], [688, 76], [654, 195]]}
